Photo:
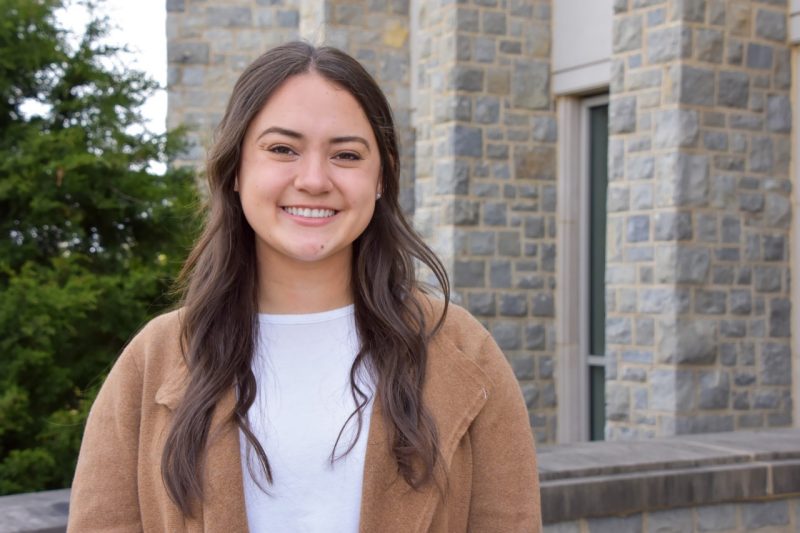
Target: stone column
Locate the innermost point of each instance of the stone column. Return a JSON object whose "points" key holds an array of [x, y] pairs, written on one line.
{"points": [[209, 43], [698, 303], [485, 174]]}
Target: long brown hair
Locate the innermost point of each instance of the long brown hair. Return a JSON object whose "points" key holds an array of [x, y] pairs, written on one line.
{"points": [[219, 281]]}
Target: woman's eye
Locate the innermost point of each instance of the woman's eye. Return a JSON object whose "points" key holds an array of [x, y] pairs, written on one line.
{"points": [[348, 156], [281, 149]]}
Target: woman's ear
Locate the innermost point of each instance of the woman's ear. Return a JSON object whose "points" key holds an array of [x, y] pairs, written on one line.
{"points": [[236, 183]]}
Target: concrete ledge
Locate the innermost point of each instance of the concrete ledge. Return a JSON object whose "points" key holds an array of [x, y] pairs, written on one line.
{"points": [[590, 480], [38, 512]]}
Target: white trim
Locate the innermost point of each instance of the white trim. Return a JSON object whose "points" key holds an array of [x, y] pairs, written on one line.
{"points": [[572, 271], [794, 241], [571, 374], [583, 78]]}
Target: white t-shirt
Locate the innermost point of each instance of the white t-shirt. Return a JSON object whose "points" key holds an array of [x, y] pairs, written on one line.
{"points": [[302, 368]]}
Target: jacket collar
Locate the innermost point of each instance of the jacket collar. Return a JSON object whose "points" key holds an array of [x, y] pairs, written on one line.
{"points": [[455, 391]]}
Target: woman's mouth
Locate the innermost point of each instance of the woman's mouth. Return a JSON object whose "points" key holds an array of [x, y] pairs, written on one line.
{"points": [[308, 212]]}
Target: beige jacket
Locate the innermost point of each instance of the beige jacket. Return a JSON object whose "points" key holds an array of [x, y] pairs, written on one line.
{"points": [[485, 439]]}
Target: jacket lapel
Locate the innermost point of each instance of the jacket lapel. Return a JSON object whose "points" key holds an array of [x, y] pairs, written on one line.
{"points": [[223, 506], [455, 391]]}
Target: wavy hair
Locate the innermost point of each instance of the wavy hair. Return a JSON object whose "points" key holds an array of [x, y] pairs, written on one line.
{"points": [[219, 286]]}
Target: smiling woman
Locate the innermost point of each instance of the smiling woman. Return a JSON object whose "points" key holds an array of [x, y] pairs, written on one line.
{"points": [[309, 382]]}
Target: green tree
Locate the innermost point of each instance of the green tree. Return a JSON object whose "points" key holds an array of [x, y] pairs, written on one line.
{"points": [[90, 237]]}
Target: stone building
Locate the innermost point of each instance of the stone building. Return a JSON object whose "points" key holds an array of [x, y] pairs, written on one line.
{"points": [[608, 182]]}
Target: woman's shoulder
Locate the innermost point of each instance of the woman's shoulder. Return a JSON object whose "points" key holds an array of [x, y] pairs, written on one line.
{"points": [[461, 331], [157, 344]]}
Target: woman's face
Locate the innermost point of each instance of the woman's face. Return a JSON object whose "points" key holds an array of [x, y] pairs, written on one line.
{"points": [[309, 173]]}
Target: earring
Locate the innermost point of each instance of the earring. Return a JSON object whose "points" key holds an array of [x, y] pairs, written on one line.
{"points": [[378, 196]]}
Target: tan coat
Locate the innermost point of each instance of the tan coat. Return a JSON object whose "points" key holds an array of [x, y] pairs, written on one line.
{"points": [[485, 439]]}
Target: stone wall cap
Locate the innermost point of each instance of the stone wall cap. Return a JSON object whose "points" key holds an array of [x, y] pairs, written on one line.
{"points": [[596, 479]]}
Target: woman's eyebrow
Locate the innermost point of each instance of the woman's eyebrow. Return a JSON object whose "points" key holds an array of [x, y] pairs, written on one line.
{"points": [[297, 135], [350, 139], [281, 131]]}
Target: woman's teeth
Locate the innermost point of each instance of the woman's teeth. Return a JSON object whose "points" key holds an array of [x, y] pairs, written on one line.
{"points": [[309, 213]]}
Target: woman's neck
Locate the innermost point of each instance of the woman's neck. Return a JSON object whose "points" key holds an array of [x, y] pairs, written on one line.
{"points": [[295, 287]]}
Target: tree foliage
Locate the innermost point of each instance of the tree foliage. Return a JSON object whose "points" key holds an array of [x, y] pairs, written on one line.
{"points": [[90, 236]]}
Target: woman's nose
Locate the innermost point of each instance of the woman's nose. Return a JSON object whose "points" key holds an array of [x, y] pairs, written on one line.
{"points": [[313, 175]]}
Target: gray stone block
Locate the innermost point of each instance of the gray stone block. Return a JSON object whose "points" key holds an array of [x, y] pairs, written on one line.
{"points": [[452, 177], [715, 140], [640, 168], [708, 302], [507, 334], [545, 367], [229, 17], [709, 45], [668, 44], [779, 113], [508, 243], [673, 226], [734, 89], [543, 305], [482, 303], [776, 364], [714, 389], [627, 33], [767, 279], [534, 227], [636, 374], [494, 22], [530, 392], [466, 79], [618, 199], [618, 330], [630, 524], [642, 196], [688, 342], [188, 53], [680, 264], [760, 156], [617, 401], [656, 17], [467, 141], [535, 336], [523, 366], [676, 128], [469, 274], [638, 228], [513, 304], [671, 521], [622, 115], [771, 25], [288, 18], [735, 53], [500, 274], [693, 85], [658, 300], [774, 246], [487, 109], [732, 328], [682, 180], [530, 85], [545, 129], [671, 390], [777, 210], [759, 56], [722, 275], [780, 312], [645, 332], [762, 514], [741, 302]]}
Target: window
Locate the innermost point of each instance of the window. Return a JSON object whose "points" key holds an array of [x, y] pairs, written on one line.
{"points": [[583, 178]]}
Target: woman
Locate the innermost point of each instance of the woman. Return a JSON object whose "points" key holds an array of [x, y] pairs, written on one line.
{"points": [[307, 383]]}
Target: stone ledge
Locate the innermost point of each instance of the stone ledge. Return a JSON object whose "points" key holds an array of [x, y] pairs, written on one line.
{"points": [[590, 480], [37, 512]]}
